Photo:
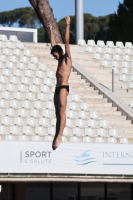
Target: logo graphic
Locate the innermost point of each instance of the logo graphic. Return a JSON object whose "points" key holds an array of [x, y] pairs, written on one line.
{"points": [[85, 158]]}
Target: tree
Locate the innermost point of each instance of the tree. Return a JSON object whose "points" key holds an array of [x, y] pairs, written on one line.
{"points": [[45, 14], [121, 23]]}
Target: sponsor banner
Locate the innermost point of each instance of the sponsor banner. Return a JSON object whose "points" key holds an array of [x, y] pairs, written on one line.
{"points": [[69, 158]]}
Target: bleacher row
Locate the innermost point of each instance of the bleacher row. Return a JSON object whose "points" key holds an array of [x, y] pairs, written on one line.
{"points": [[27, 110], [117, 57]]}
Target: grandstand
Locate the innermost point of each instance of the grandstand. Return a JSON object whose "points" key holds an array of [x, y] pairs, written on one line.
{"points": [[99, 127]]}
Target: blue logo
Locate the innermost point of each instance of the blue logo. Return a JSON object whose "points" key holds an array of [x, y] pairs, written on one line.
{"points": [[85, 159]]}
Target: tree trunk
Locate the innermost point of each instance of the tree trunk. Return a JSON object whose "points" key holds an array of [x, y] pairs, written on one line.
{"points": [[45, 14]]}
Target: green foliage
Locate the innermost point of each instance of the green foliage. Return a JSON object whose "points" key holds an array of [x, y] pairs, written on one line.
{"points": [[121, 23]]}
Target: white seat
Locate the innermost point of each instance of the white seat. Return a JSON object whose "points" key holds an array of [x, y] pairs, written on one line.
{"points": [[34, 60], [129, 45], [4, 103], [20, 45], [112, 140], [30, 96], [22, 88], [83, 114], [126, 58], [13, 38], [48, 113], [36, 138], [97, 56], [81, 42], [99, 140], [23, 138], [131, 104], [19, 95], [53, 121], [50, 96], [4, 79], [21, 66], [15, 130], [131, 78], [128, 51], [90, 49], [13, 59], [71, 114], [27, 130], [29, 73], [51, 130], [18, 72], [10, 137], [42, 96], [4, 130], [117, 57], [6, 95], [100, 43], [130, 85], [64, 139], [2, 112], [7, 121], [9, 65], [110, 50], [45, 89], [23, 112], [76, 98], [124, 141], [42, 67], [1, 65], [74, 139], [107, 56], [50, 105], [92, 123], [91, 43], [3, 86], [7, 72], [124, 78], [41, 131], [40, 74], [78, 131], [48, 138], [30, 121], [27, 104], [35, 113], [24, 59], [16, 52], [115, 64], [67, 132], [15, 104], [26, 80], [125, 70], [33, 88], [10, 112], [37, 81], [14, 80], [90, 132], [3, 58], [19, 121], [84, 106], [120, 44], [27, 53], [49, 81], [113, 133], [10, 45], [106, 63], [32, 66], [104, 124], [81, 123], [119, 51], [125, 64], [6, 51], [50, 74], [70, 123], [38, 105], [3, 37], [116, 70], [94, 115], [101, 132], [87, 139], [73, 106]]}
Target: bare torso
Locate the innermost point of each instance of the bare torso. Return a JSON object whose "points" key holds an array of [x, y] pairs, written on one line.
{"points": [[63, 71]]}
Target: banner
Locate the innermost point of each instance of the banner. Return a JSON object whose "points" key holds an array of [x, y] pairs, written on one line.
{"points": [[69, 158]]}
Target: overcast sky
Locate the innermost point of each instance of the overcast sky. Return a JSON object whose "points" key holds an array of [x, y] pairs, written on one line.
{"points": [[62, 8]]}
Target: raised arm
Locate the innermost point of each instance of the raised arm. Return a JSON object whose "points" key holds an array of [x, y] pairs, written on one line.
{"points": [[52, 38], [67, 37]]}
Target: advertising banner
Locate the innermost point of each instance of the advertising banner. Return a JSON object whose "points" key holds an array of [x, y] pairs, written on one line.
{"points": [[69, 158]]}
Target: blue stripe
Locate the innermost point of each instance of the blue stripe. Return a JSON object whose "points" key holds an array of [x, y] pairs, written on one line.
{"points": [[87, 163], [85, 160], [116, 164]]}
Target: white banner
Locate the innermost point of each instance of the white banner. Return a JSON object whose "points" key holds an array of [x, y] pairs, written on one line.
{"points": [[69, 158]]}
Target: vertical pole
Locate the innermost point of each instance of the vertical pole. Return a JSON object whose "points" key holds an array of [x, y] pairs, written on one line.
{"points": [[79, 16], [105, 191], [112, 80], [51, 191], [131, 191], [79, 194]]}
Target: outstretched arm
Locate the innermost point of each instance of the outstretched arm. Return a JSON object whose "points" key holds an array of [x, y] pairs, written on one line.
{"points": [[67, 37], [52, 38]]}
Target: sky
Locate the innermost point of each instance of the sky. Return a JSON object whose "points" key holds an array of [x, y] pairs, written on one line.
{"points": [[62, 8]]}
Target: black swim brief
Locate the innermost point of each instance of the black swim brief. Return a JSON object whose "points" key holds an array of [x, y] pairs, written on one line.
{"points": [[58, 88]]}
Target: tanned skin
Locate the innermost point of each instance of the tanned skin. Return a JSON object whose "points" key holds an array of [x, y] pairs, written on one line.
{"points": [[62, 75]]}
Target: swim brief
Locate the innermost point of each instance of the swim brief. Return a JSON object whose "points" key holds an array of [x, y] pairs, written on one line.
{"points": [[58, 88]]}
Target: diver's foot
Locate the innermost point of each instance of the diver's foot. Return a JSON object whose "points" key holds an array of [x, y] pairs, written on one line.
{"points": [[57, 143]]}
